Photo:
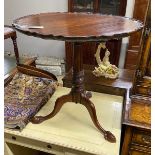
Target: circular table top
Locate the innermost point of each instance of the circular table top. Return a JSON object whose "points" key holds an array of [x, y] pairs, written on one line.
{"points": [[77, 26]]}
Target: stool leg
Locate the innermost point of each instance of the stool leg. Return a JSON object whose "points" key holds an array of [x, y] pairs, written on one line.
{"points": [[15, 49]]}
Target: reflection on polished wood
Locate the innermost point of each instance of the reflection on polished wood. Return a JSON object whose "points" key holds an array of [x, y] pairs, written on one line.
{"points": [[78, 27]]}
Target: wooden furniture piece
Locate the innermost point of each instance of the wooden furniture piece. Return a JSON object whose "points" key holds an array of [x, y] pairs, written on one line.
{"points": [[119, 86], [67, 133], [114, 7], [10, 63], [11, 33], [142, 12], [137, 114], [26, 94], [10, 67], [67, 27]]}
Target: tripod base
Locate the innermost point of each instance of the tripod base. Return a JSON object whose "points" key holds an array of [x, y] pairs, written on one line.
{"points": [[78, 95], [82, 98]]}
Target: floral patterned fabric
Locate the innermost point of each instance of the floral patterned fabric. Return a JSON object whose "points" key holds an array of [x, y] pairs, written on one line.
{"points": [[24, 96]]}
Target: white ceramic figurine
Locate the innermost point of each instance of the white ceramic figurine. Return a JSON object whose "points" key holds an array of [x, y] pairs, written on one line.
{"points": [[104, 67]]}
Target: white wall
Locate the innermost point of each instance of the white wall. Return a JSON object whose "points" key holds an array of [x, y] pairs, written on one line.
{"points": [[125, 41], [31, 45]]}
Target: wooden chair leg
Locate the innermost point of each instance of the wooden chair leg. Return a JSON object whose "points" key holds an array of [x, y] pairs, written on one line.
{"points": [[15, 48]]}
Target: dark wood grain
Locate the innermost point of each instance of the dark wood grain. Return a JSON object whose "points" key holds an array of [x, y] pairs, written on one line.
{"points": [[78, 26], [77, 95], [90, 48], [11, 33], [8, 77], [142, 81], [137, 142], [33, 71], [142, 12], [137, 113], [117, 86]]}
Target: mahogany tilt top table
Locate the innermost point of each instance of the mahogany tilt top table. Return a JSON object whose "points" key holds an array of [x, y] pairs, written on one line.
{"points": [[77, 28]]}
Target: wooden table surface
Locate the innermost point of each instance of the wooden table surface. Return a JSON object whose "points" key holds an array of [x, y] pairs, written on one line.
{"points": [[77, 26]]}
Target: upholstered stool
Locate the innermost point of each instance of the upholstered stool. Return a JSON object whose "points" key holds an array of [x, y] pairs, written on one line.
{"points": [[25, 94]]}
